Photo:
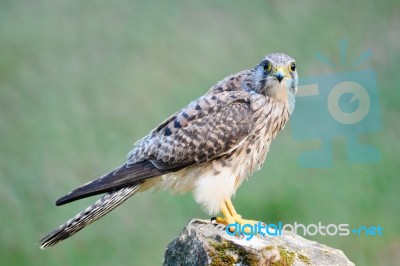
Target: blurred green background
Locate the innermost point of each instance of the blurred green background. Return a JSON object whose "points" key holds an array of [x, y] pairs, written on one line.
{"points": [[80, 81]]}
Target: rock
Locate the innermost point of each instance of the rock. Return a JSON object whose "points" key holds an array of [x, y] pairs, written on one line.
{"points": [[203, 243]]}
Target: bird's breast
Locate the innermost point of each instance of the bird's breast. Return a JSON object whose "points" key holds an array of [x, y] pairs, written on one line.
{"points": [[254, 150]]}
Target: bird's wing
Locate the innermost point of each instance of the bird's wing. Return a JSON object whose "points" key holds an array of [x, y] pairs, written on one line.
{"points": [[121, 177], [209, 127]]}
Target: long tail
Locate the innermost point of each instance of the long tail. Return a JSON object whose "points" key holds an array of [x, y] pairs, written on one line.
{"points": [[97, 210]]}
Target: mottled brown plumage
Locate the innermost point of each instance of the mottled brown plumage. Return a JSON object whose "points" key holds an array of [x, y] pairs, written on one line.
{"points": [[209, 147]]}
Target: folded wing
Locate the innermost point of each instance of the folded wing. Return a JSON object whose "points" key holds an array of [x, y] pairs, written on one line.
{"points": [[209, 127]]}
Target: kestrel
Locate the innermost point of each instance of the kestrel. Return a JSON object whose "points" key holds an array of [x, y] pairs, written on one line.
{"points": [[209, 147]]}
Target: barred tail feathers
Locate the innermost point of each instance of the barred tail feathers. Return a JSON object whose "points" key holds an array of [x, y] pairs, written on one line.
{"points": [[97, 210]]}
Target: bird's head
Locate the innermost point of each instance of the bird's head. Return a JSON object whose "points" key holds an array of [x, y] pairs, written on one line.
{"points": [[276, 76]]}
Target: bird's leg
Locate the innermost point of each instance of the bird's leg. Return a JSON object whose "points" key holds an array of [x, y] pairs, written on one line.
{"points": [[227, 219], [236, 217], [231, 216], [231, 209]]}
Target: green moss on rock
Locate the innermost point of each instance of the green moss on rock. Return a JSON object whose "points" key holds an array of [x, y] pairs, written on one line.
{"points": [[286, 257], [227, 253], [305, 259]]}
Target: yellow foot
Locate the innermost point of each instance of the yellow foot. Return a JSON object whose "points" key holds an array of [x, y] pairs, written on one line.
{"points": [[232, 217]]}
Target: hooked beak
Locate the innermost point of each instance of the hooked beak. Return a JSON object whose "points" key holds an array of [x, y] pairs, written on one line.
{"points": [[280, 73]]}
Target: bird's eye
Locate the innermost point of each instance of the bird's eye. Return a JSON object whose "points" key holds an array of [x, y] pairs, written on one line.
{"points": [[293, 67], [267, 66]]}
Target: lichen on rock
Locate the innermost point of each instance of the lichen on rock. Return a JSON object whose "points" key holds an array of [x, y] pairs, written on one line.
{"points": [[199, 244]]}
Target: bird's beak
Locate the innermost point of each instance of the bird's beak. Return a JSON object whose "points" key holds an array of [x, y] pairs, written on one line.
{"points": [[280, 73]]}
